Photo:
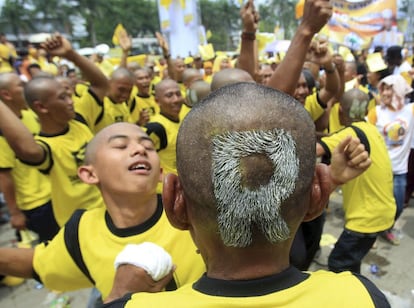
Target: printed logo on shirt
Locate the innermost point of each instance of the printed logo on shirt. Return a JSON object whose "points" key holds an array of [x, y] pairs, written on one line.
{"points": [[395, 132]]}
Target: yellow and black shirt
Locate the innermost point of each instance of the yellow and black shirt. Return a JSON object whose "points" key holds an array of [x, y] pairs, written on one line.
{"points": [[82, 254]]}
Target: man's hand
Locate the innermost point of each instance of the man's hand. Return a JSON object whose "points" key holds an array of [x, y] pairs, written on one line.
{"points": [[316, 14], [132, 279], [339, 63], [163, 43], [319, 52], [18, 220], [143, 117], [125, 41], [57, 45], [349, 160], [250, 17]]}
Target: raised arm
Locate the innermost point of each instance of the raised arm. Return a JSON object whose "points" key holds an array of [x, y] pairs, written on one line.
{"points": [[57, 45], [166, 53], [19, 137], [316, 14], [247, 59], [320, 54], [126, 45]]}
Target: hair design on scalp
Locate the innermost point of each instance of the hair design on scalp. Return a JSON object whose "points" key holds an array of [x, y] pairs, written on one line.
{"points": [[246, 159], [354, 104], [239, 207]]}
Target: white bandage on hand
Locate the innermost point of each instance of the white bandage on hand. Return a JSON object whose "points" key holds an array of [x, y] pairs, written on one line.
{"points": [[149, 256]]}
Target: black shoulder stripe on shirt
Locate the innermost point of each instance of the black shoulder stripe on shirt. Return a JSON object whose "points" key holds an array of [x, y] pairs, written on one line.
{"points": [[320, 102], [363, 138], [46, 150], [100, 103], [80, 118], [326, 158], [100, 116], [378, 298], [132, 105], [159, 130], [71, 237]]}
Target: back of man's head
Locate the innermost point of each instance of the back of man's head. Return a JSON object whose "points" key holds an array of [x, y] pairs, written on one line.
{"points": [[246, 158], [229, 76], [354, 105]]}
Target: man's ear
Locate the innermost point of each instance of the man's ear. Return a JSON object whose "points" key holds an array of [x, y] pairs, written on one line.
{"points": [[320, 192], [87, 174], [5, 94], [174, 203], [40, 107]]}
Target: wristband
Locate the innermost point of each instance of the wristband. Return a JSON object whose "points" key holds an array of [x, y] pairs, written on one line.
{"points": [[249, 36], [149, 256]]}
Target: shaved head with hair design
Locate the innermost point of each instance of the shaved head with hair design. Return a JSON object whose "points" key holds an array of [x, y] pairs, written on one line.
{"points": [[245, 172]]}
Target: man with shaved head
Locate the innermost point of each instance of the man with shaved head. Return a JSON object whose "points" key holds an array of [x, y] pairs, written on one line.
{"points": [[163, 127], [142, 105], [246, 180], [368, 200], [100, 111], [229, 76], [59, 148], [190, 75], [27, 191], [122, 162]]}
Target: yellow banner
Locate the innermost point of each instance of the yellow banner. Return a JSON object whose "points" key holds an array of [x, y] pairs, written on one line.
{"points": [[355, 24]]}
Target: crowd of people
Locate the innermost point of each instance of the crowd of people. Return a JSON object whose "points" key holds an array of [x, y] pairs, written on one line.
{"points": [[215, 160]]}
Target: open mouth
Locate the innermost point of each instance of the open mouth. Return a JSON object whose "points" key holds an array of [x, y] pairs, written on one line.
{"points": [[140, 166]]}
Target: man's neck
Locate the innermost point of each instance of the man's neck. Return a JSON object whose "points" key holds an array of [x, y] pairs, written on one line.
{"points": [[229, 264], [129, 211], [53, 128]]}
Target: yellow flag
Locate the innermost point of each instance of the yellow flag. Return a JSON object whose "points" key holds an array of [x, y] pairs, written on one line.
{"points": [[208, 34], [206, 52], [118, 32], [165, 3]]}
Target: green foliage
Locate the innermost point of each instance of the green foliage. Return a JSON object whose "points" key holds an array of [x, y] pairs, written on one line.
{"points": [[276, 13], [222, 18], [139, 17]]}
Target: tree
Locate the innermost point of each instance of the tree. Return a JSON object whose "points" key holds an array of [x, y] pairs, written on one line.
{"points": [[280, 14], [222, 18], [15, 15]]}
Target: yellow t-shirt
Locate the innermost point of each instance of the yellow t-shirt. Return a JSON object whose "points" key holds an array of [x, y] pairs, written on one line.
{"points": [[5, 53], [97, 114], [32, 188], [313, 107], [64, 154], [290, 288], [141, 103], [100, 241], [368, 200]]}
